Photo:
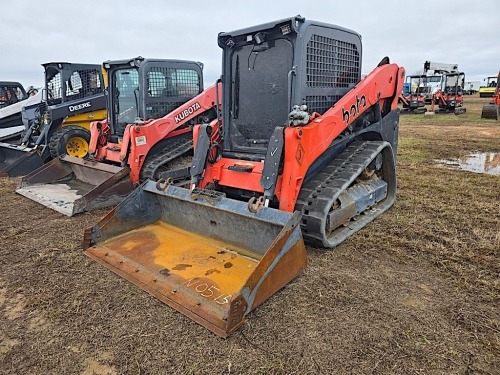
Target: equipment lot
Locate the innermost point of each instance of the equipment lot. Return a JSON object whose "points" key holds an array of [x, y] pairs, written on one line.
{"points": [[416, 292]]}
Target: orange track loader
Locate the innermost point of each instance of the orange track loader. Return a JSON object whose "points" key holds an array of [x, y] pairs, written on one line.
{"points": [[492, 109], [305, 150], [125, 152]]}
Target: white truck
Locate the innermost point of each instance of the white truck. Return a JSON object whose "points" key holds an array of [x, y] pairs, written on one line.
{"points": [[434, 72], [471, 87]]}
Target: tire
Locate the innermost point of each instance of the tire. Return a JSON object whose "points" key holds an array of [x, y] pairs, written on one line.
{"points": [[71, 140]]}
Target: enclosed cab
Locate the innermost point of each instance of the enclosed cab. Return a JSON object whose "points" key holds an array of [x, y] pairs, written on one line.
{"points": [[414, 99], [269, 68], [11, 92], [491, 110], [74, 96], [145, 97], [12, 98], [453, 89], [142, 88]]}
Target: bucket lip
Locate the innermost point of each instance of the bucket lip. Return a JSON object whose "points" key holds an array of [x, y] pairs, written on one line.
{"points": [[267, 214], [110, 168], [11, 146], [209, 314]]}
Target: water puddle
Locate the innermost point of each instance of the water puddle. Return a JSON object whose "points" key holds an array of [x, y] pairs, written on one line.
{"points": [[481, 162]]}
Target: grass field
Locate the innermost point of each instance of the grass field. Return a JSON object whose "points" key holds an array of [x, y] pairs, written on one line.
{"points": [[415, 292]]}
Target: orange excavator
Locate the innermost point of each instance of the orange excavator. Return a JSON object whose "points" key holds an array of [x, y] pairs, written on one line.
{"points": [[304, 149], [123, 151], [492, 109], [449, 97], [414, 101]]}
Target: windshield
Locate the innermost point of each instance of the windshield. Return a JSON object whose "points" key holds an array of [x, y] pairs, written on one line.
{"points": [[492, 82], [126, 96], [454, 83], [417, 84], [259, 93], [434, 79]]}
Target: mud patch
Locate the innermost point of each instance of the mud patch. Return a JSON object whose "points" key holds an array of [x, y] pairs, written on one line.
{"points": [[165, 272], [182, 267], [211, 271]]}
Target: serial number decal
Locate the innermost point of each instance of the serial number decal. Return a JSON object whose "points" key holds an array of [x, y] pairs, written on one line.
{"points": [[141, 140], [208, 291], [355, 109]]}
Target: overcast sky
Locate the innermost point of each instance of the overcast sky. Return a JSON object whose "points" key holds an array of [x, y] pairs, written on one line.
{"points": [[92, 31]]}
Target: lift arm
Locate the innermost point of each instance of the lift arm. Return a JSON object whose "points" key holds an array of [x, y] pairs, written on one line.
{"points": [[138, 139], [378, 91]]}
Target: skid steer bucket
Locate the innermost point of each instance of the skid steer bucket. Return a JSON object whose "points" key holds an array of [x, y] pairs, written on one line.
{"points": [[205, 255], [71, 185], [11, 133], [16, 160]]}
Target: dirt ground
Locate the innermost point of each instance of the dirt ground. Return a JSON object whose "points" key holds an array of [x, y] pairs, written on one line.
{"points": [[415, 292]]}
